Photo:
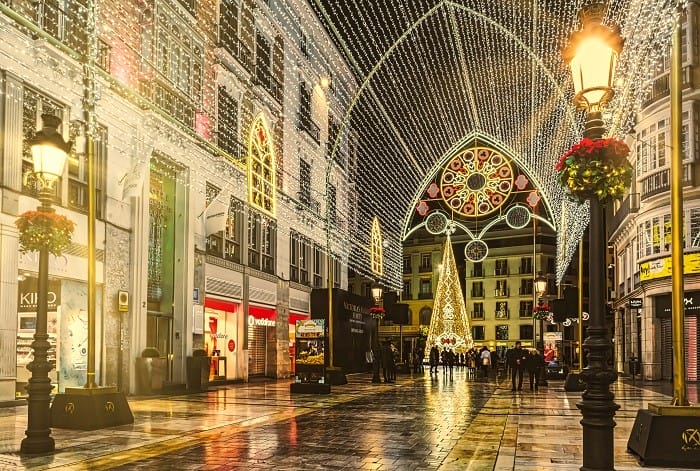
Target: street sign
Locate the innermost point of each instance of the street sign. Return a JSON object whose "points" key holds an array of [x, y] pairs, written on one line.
{"points": [[636, 303]]}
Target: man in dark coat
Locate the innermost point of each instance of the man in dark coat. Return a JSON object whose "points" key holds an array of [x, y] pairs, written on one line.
{"points": [[515, 357], [535, 367], [387, 362]]}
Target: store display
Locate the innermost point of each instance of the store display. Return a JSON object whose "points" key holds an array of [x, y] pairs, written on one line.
{"points": [[310, 358]]}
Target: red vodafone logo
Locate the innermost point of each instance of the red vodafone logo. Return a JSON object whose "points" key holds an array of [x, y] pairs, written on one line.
{"points": [[231, 345]]}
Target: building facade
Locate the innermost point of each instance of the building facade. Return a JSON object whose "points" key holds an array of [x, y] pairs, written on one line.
{"points": [[222, 166], [640, 229]]}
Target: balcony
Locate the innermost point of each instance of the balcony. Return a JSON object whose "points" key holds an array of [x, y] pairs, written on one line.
{"points": [[477, 315], [501, 293], [477, 273], [425, 268], [501, 271], [477, 293], [630, 205], [305, 123], [235, 48], [502, 314], [163, 94], [661, 86], [269, 83], [407, 269], [659, 182], [525, 270], [525, 313], [425, 295], [525, 291]]}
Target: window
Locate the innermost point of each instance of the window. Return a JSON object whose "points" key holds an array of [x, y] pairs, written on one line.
{"points": [[478, 332], [406, 293], [526, 331], [478, 312], [526, 265], [501, 267], [262, 235], [501, 332], [263, 60], [335, 267], [304, 101], [526, 286], [478, 270], [376, 249], [227, 125], [525, 309], [303, 45], [78, 175], [407, 264], [425, 316], [501, 288], [426, 289], [477, 289], [299, 255], [318, 267], [502, 310], [426, 262], [261, 168], [304, 182]]}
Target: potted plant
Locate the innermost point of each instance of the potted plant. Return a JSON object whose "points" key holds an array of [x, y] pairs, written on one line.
{"points": [[151, 371], [541, 311]]}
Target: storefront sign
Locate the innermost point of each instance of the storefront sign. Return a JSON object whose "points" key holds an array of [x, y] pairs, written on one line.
{"points": [[691, 304], [310, 328], [262, 322], [28, 297], [661, 268], [197, 319], [636, 303], [262, 316]]}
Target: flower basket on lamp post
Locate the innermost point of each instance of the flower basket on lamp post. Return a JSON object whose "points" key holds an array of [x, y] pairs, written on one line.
{"points": [[39, 229], [596, 168], [541, 311]]}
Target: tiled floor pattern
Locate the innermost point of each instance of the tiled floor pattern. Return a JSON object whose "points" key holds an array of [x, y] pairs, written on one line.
{"points": [[419, 423]]}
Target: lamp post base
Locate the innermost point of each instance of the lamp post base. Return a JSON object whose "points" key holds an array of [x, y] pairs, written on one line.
{"points": [[666, 436], [574, 382], [90, 409]]}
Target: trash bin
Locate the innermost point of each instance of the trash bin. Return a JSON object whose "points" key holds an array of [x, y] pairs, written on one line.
{"points": [[635, 366]]}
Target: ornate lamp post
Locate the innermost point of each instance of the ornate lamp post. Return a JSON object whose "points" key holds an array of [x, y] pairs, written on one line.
{"points": [[592, 54], [49, 152], [377, 292], [540, 285]]}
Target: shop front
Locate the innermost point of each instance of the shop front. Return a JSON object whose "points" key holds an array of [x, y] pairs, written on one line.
{"points": [[262, 321], [66, 327], [662, 311], [222, 338]]}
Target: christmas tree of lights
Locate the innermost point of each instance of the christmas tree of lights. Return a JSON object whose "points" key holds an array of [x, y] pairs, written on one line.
{"points": [[449, 325]]}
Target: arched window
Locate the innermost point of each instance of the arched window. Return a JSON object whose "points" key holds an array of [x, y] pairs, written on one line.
{"points": [[261, 167], [376, 254]]}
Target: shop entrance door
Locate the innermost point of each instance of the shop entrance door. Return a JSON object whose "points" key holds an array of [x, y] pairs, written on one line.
{"points": [[159, 335]]}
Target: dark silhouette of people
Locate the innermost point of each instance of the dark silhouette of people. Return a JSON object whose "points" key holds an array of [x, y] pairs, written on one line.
{"points": [[515, 357], [535, 368], [434, 359], [485, 361], [387, 362]]}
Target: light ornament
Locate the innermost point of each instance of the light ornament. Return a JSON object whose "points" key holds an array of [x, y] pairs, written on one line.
{"points": [[449, 324], [392, 149]]}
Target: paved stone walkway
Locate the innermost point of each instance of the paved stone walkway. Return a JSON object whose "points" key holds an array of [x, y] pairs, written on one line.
{"points": [[418, 423]]}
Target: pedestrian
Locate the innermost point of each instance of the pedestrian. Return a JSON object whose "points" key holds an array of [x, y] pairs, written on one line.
{"points": [[535, 366], [485, 361], [450, 356], [515, 357], [387, 362], [434, 358]]}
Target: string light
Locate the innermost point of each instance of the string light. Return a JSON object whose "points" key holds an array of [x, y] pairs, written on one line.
{"points": [[407, 81]]}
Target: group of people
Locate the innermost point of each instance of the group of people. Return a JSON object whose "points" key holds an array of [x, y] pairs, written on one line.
{"points": [[474, 359], [518, 360]]}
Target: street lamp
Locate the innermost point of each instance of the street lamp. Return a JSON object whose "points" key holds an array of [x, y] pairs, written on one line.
{"points": [[592, 54], [49, 153], [377, 292], [540, 285]]}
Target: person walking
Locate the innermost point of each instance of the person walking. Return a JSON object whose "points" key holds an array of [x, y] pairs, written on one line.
{"points": [[434, 359], [485, 361], [387, 362], [515, 357], [535, 366]]}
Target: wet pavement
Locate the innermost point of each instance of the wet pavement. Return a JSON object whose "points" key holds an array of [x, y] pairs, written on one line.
{"points": [[418, 423]]}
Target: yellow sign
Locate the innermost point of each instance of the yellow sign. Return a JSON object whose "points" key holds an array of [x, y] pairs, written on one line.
{"points": [[661, 268]]}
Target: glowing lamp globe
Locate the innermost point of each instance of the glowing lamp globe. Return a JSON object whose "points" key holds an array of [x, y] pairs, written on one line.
{"points": [[49, 150]]}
